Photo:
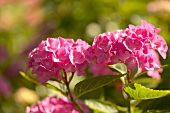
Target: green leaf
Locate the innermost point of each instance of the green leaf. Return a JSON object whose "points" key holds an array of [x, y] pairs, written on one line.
{"points": [[95, 94], [136, 91], [119, 67], [99, 106], [91, 84], [29, 78], [57, 87], [144, 72], [147, 81], [157, 111], [156, 104]]}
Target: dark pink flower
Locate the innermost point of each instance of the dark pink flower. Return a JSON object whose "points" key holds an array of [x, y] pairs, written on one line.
{"points": [[51, 104], [56, 54]]}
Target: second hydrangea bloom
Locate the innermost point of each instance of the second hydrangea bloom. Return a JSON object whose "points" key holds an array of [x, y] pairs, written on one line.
{"points": [[133, 46]]}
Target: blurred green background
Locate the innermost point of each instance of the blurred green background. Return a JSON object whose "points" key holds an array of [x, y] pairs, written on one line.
{"points": [[25, 23]]}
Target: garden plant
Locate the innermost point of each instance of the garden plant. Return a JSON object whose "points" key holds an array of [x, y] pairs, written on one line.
{"points": [[125, 62]]}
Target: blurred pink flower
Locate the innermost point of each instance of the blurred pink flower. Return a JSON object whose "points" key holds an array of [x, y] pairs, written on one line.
{"points": [[34, 17], [131, 46], [56, 54], [52, 104], [159, 6], [5, 86], [3, 2], [31, 3]]}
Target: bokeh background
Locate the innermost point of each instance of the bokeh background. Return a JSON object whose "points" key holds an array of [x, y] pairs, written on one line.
{"points": [[25, 23]]}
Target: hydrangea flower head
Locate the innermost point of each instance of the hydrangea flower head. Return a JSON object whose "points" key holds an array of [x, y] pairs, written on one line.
{"points": [[51, 104], [141, 40], [131, 46], [56, 54]]}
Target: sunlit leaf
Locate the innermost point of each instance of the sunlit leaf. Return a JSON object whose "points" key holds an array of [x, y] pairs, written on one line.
{"points": [[51, 84], [157, 111], [29, 78], [99, 106], [136, 91], [91, 84], [119, 67]]}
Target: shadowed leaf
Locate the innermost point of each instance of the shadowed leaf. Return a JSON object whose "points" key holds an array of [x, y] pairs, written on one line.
{"points": [[91, 84]]}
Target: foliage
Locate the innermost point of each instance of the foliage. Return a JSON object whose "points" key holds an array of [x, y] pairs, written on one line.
{"points": [[24, 24]]}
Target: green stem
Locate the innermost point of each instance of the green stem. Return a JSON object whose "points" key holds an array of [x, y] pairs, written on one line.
{"points": [[72, 75], [67, 85], [129, 76], [143, 72], [128, 80], [69, 91], [129, 106], [81, 110]]}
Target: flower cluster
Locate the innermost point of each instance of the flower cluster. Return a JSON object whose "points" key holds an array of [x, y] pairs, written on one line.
{"points": [[132, 46], [52, 104], [135, 46], [57, 54]]}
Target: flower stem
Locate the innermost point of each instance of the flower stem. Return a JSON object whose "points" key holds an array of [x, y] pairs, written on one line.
{"points": [[67, 83], [72, 75], [129, 77], [79, 108], [129, 106]]}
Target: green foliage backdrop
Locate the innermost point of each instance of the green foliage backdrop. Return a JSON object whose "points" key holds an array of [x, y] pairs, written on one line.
{"points": [[24, 24]]}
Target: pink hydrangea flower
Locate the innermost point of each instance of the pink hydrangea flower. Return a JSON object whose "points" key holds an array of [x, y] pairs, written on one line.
{"points": [[154, 73], [51, 104], [56, 54], [139, 40], [114, 52], [131, 46]]}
